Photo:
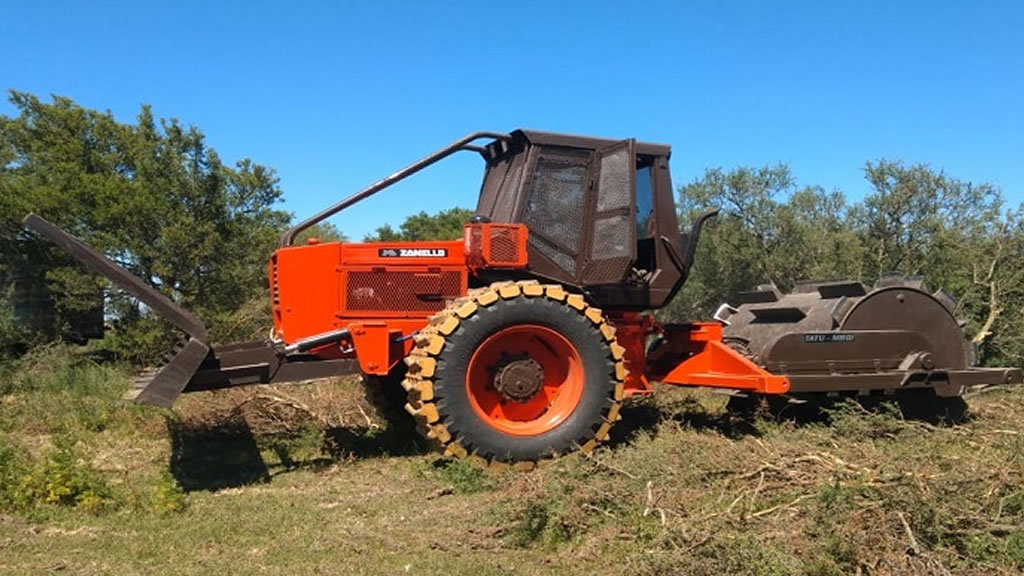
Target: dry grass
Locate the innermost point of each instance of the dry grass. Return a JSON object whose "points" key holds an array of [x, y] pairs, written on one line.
{"points": [[308, 479]]}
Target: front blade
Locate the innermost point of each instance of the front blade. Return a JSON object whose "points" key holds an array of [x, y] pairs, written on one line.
{"points": [[163, 387]]}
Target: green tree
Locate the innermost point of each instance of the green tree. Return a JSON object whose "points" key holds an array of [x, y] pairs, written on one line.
{"points": [[322, 231], [917, 220], [152, 195], [769, 230], [445, 225]]}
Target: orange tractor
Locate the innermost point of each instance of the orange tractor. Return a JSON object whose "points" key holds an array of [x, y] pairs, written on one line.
{"points": [[523, 339]]}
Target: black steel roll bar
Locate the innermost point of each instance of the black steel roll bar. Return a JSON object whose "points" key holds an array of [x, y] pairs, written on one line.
{"points": [[464, 143]]}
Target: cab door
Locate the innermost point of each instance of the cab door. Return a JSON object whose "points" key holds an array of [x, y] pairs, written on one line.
{"points": [[610, 234]]}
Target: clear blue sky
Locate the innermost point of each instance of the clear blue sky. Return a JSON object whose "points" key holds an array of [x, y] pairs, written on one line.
{"points": [[335, 95]]}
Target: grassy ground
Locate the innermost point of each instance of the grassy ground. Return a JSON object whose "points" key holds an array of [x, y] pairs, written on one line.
{"points": [[308, 480]]}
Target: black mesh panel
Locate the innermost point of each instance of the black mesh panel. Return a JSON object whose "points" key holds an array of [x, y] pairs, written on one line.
{"points": [[612, 238], [564, 261], [613, 187], [504, 245], [613, 243], [400, 291], [555, 205]]}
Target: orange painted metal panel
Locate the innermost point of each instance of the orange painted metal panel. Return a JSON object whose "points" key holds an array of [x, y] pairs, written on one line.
{"points": [[631, 331], [440, 253], [496, 246], [304, 290], [702, 359]]}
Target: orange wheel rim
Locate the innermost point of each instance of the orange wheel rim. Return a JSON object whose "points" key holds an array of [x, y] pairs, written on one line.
{"points": [[525, 380]]}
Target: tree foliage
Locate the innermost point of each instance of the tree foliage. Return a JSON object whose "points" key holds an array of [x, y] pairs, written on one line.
{"points": [[445, 225], [322, 231], [152, 195]]}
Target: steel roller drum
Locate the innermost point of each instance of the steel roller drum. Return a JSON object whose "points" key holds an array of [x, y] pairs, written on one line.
{"points": [[841, 336]]}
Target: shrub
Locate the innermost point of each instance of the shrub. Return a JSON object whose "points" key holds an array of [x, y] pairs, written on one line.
{"points": [[293, 449], [13, 336], [61, 477], [168, 496], [466, 477], [61, 389], [12, 472]]}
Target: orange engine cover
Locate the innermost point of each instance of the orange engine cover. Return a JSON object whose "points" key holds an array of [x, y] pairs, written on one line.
{"points": [[323, 287], [381, 292]]}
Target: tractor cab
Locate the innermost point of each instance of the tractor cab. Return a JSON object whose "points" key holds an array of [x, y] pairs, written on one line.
{"points": [[600, 213]]}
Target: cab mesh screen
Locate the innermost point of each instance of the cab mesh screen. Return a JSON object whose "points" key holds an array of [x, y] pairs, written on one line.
{"points": [[612, 238], [613, 188], [555, 205]]}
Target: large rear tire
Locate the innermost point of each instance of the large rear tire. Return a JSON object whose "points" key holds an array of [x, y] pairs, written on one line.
{"points": [[514, 373]]}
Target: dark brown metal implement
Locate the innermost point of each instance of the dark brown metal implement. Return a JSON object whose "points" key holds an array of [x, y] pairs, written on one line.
{"points": [[162, 386], [194, 365], [839, 336]]}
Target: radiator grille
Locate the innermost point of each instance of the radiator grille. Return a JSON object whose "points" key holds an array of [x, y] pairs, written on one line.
{"points": [[504, 246], [475, 255], [398, 291], [496, 245]]}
